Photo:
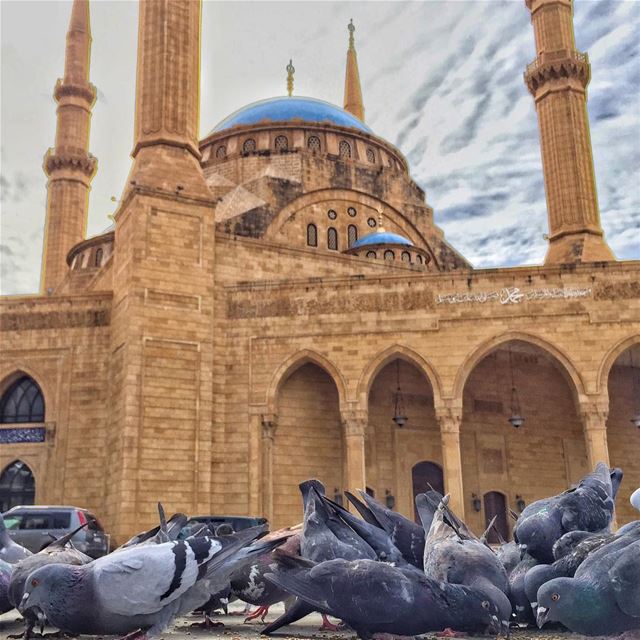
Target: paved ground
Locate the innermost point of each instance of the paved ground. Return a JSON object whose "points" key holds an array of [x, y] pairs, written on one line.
{"points": [[306, 629]]}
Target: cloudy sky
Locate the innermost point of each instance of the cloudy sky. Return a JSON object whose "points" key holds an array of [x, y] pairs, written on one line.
{"points": [[441, 79]]}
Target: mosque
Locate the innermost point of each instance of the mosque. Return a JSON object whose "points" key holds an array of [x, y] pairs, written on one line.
{"points": [[275, 302]]}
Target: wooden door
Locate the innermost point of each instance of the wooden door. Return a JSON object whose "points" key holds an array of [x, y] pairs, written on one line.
{"points": [[424, 474], [496, 505]]}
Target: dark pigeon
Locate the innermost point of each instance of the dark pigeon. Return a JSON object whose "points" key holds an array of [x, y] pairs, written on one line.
{"points": [[405, 534], [166, 531], [602, 598], [568, 542], [454, 555], [5, 578], [520, 604], [141, 588], [10, 551], [588, 507], [509, 555], [374, 597]]}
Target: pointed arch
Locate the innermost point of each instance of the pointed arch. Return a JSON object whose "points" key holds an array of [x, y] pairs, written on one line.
{"points": [[567, 368], [403, 353], [17, 485], [293, 363], [21, 399], [609, 360]]}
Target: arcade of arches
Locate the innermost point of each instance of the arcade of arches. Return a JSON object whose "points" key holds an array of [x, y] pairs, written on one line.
{"points": [[313, 431]]}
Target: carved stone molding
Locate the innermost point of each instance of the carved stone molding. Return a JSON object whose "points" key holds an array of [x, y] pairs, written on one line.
{"points": [[449, 417], [569, 64], [87, 92], [594, 414], [78, 160], [269, 423]]}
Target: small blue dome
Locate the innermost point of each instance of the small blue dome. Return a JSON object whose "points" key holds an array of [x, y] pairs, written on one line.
{"points": [[285, 109], [381, 237]]}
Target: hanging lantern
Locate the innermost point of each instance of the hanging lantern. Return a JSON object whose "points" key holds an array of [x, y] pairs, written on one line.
{"points": [[389, 499], [515, 418], [399, 412], [520, 503], [476, 502]]}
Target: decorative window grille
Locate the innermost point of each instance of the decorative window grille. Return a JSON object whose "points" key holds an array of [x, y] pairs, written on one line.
{"points": [[372, 222], [313, 143], [332, 214], [371, 254], [332, 239], [22, 402], [352, 212], [282, 143], [344, 149], [221, 152], [419, 259], [97, 260], [312, 235], [406, 256], [371, 155], [17, 486], [352, 232], [389, 255], [249, 146]]}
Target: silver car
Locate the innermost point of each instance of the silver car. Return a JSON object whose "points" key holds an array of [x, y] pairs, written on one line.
{"points": [[34, 527]]}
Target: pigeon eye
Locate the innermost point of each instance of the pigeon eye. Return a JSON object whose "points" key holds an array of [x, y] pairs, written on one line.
{"points": [[555, 597], [34, 583], [485, 604]]}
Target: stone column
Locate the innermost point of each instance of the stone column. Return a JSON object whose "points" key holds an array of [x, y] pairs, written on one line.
{"points": [[354, 476], [450, 418], [269, 424], [593, 414]]}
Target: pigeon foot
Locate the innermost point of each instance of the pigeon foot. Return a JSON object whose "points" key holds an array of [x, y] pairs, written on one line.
{"points": [[207, 624], [450, 633], [327, 625], [260, 612]]}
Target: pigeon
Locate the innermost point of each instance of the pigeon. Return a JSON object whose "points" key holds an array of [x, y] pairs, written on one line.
{"points": [[405, 534], [140, 589], [509, 555], [588, 507], [520, 604], [635, 499], [376, 597], [568, 542], [166, 531], [5, 578], [602, 598], [10, 551], [456, 556]]}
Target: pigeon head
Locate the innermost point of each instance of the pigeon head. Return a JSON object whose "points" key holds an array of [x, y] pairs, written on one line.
{"points": [[568, 601], [535, 578], [481, 611], [46, 590], [537, 534]]}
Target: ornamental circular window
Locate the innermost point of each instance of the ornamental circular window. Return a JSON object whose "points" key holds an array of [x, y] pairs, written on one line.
{"points": [[313, 143], [371, 155], [344, 149], [332, 214], [352, 212], [221, 152], [372, 222], [282, 144], [249, 145]]}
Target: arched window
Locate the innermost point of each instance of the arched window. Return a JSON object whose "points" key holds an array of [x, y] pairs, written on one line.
{"points": [[332, 239], [312, 235], [371, 254], [495, 505], [282, 143], [17, 486], [352, 234], [97, 260], [344, 149], [389, 255], [406, 256], [249, 146], [419, 258], [371, 155], [221, 152], [22, 402], [313, 143]]}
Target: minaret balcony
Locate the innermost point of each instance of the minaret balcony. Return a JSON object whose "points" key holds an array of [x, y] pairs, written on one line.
{"points": [[555, 65]]}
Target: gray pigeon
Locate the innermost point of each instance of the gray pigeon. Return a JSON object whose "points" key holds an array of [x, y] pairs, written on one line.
{"points": [[517, 595], [166, 531], [509, 555], [10, 551], [602, 598], [458, 557], [588, 507], [141, 588], [5, 578], [375, 597]]}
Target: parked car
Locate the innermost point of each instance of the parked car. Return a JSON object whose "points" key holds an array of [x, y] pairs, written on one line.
{"points": [[237, 523], [34, 527]]}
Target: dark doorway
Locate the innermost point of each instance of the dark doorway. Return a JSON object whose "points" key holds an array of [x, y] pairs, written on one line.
{"points": [[424, 474], [496, 505], [17, 486]]}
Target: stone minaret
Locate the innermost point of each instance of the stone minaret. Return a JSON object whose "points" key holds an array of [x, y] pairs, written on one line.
{"points": [[558, 80], [69, 165], [161, 361], [352, 91]]}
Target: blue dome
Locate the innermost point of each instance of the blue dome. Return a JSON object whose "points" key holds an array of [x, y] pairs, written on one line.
{"points": [[284, 109], [381, 237]]}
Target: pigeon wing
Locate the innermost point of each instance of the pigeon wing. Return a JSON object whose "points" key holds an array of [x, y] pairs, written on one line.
{"points": [[625, 580], [143, 580]]}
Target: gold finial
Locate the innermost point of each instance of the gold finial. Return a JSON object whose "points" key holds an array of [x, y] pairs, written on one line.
{"points": [[352, 28], [290, 71]]}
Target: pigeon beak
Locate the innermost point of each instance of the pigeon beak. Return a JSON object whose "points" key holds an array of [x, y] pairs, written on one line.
{"points": [[542, 616]]}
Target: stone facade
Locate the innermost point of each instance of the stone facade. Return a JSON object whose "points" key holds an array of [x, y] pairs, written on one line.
{"points": [[206, 354]]}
